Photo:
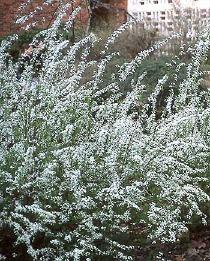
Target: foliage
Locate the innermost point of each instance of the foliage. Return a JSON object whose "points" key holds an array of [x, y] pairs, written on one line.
{"points": [[24, 39], [79, 171]]}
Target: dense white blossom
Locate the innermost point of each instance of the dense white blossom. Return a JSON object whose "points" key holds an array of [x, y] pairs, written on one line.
{"points": [[81, 172]]}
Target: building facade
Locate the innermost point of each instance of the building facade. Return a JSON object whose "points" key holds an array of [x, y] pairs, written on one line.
{"points": [[163, 16], [167, 16]]}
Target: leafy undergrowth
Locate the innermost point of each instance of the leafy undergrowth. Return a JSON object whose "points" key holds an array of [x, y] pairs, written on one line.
{"points": [[195, 246]]}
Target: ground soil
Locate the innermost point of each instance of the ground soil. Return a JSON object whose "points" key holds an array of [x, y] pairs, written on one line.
{"points": [[194, 248]]}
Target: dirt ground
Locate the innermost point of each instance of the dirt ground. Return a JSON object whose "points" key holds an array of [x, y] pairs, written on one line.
{"points": [[195, 248]]}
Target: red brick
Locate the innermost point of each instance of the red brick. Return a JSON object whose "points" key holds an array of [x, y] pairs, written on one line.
{"points": [[9, 10]]}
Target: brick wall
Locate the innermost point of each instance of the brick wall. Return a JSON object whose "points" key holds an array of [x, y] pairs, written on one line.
{"points": [[9, 11], [110, 12]]}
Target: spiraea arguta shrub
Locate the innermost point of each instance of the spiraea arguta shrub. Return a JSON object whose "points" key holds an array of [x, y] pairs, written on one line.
{"points": [[77, 170]]}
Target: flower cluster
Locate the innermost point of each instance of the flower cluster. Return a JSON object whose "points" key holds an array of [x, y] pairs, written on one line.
{"points": [[78, 171]]}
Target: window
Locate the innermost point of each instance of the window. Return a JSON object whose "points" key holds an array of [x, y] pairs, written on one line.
{"points": [[141, 3], [169, 14], [155, 2], [170, 1], [148, 13]]}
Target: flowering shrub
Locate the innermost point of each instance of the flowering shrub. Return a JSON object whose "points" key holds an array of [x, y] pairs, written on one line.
{"points": [[78, 170]]}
